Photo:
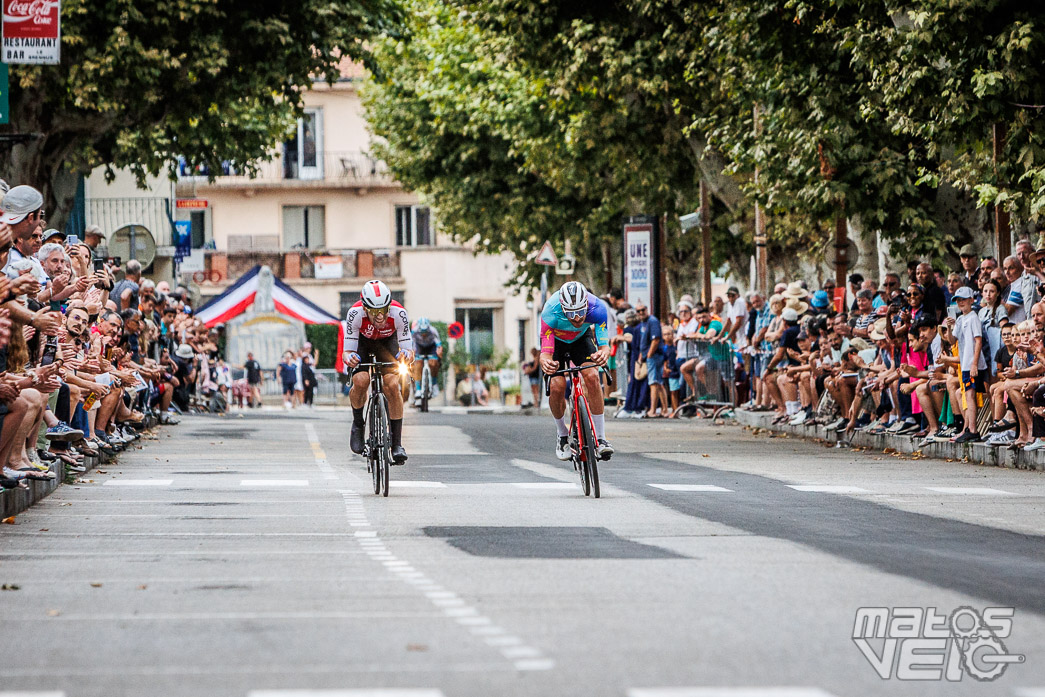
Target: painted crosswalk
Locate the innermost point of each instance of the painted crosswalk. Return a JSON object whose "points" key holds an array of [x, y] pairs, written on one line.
{"points": [[728, 692], [689, 487]]}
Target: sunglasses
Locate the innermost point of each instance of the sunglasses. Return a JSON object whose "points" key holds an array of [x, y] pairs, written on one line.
{"points": [[913, 295], [576, 314]]}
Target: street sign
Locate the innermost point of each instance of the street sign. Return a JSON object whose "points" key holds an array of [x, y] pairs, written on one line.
{"points": [[639, 262], [183, 242], [191, 203], [5, 110], [546, 256], [32, 31], [565, 265]]}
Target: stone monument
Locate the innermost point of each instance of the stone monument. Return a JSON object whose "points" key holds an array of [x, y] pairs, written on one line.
{"points": [[263, 331]]}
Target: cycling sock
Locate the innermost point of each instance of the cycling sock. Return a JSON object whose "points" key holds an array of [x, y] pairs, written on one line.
{"points": [[357, 416], [397, 432], [560, 427], [600, 425]]}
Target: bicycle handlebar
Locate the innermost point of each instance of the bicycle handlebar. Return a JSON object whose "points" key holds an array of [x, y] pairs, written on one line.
{"points": [[567, 371], [376, 364]]}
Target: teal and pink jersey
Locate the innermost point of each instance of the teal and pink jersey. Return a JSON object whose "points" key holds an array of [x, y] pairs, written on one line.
{"points": [[555, 326]]}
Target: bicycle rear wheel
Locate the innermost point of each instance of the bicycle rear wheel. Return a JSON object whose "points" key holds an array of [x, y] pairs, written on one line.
{"points": [[385, 451], [588, 452]]}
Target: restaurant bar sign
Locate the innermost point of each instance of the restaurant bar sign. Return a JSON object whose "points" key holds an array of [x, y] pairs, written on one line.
{"points": [[32, 31]]}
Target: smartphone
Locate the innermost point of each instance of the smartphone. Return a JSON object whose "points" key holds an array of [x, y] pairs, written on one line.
{"points": [[849, 375], [99, 265], [952, 311], [72, 240], [939, 387], [55, 306], [50, 351], [115, 261]]}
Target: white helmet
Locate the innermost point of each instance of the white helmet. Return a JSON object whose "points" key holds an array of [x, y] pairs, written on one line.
{"points": [[573, 296], [375, 295]]}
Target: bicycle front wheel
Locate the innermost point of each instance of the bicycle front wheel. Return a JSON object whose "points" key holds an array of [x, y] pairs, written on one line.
{"points": [[385, 451], [426, 387], [587, 447]]}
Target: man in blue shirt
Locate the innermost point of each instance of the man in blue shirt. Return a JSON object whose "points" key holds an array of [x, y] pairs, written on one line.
{"points": [[651, 351]]}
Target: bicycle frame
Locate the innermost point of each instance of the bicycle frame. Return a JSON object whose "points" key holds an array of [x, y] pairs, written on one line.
{"points": [[576, 387]]}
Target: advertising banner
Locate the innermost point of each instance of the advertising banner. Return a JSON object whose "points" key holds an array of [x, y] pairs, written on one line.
{"points": [[639, 263], [32, 31]]}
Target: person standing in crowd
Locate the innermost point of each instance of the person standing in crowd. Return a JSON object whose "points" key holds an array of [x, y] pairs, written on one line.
{"points": [[532, 370], [651, 353], [308, 380], [1023, 289], [125, 293], [253, 369], [288, 377], [968, 330], [934, 301], [637, 396], [971, 269]]}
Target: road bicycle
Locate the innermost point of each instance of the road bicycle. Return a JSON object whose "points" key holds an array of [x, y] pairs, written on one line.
{"points": [[378, 447], [583, 445], [426, 380]]}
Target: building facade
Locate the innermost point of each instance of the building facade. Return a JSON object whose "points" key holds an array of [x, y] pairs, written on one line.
{"points": [[326, 216]]}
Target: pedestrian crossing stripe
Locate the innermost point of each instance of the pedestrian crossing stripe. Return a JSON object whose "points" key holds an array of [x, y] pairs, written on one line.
{"points": [[274, 482], [970, 490], [397, 484], [690, 487], [828, 489], [728, 692], [132, 482], [365, 692]]}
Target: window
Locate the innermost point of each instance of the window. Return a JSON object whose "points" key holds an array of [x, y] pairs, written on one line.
{"points": [[303, 152], [413, 226], [478, 332], [303, 227]]}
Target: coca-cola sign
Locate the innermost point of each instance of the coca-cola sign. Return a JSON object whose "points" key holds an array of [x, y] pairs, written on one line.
{"points": [[32, 31]]}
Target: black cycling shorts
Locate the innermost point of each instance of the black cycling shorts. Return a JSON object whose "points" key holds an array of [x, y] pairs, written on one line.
{"points": [[576, 353], [380, 351]]}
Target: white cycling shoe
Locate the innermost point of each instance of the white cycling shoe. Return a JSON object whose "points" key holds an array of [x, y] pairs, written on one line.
{"points": [[562, 448]]}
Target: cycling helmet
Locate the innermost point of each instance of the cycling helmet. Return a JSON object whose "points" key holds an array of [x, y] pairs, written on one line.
{"points": [[573, 296], [423, 325], [375, 295]]}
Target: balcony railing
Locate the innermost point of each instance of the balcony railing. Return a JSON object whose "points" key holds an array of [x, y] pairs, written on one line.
{"points": [[328, 167], [154, 213], [330, 264]]}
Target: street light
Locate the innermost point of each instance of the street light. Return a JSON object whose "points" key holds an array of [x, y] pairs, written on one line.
{"points": [[689, 221]]}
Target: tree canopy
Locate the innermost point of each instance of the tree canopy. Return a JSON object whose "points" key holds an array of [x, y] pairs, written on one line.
{"points": [[524, 119], [142, 82]]}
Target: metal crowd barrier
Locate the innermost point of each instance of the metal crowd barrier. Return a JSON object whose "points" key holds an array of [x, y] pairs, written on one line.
{"points": [[718, 388]]}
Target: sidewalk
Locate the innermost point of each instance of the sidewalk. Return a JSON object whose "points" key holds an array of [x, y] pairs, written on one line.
{"points": [[966, 452], [15, 501]]}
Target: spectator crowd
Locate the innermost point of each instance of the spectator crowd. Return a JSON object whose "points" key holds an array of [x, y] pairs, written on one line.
{"points": [[88, 347], [934, 354]]}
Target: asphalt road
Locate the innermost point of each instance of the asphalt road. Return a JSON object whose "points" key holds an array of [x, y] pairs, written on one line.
{"points": [[248, 557]]}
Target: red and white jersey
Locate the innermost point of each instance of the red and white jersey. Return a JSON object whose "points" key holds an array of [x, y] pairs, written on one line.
{"points": [[358, 324]]}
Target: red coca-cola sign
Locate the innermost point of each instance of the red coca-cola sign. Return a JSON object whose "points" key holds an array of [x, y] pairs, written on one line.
{"points": [[32, 31]]}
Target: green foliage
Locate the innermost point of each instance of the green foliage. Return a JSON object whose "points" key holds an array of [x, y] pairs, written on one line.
{"points": [[323, 338], [144, 81]]}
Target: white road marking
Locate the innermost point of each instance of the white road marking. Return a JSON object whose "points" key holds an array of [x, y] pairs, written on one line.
{"points": [[1020, 692], [138, 482], [504, 641], [728, 692], [416, 485], [689, 487], [828, 488], [474, 621], [362, 692], [545, 485], [31, 693], [970, 490], [535, 664], [274, 482], [520, 652]]}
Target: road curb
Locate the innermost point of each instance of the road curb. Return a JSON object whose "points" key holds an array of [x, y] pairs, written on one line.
{"points": [[15, 501], [979, 453]]}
